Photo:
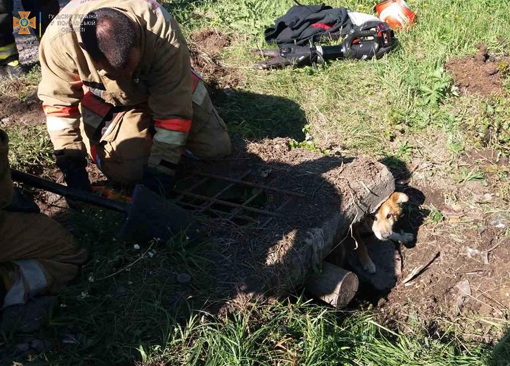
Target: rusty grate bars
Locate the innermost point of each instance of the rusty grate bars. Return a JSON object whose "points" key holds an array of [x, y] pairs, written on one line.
{"points": [[210, 203], [260, 186], [226, 203], [217, 212], [238, 208]]}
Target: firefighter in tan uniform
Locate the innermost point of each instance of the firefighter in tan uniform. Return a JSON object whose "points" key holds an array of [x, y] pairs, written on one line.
{"points": [[117, 85], [37, 255]]}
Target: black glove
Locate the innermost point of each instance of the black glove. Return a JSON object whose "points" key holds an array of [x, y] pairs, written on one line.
{"points": [[73, 167], [161, 183], [21, 203]]}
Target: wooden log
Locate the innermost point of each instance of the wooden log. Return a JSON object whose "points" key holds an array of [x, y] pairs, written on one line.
{"points": [[333, 285], [366, 186]]}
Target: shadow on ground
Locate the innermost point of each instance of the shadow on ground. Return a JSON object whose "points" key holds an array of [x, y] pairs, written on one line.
{"points": [[500, 356], [257, 116]]}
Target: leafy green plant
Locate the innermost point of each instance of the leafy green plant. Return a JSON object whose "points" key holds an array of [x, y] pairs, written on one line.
{"points": [[435, 216], [437, 87], [492, 127], [404, 152], [308, 143], [466, 175]]}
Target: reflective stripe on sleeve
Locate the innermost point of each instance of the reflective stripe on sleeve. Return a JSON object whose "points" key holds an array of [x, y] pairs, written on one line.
{"points": [[61, 123], [170, 137], [173, 124], [61, 111], [199, 93]]}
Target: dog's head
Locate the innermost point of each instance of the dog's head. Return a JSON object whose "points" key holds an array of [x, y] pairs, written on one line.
{"points": [[387, 215]]}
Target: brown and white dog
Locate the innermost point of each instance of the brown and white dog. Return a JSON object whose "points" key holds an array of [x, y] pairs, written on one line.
{"points": [[381, 224]]}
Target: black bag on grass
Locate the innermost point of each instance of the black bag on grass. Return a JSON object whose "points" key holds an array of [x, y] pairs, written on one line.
{"points": [[303, 23]]}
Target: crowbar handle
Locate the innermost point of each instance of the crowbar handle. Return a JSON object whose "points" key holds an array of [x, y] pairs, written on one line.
{"points": [[68, 192]]}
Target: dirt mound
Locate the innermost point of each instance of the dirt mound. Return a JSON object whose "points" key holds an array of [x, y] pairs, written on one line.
{"points": [[211, 42], [14, 111], [205, 48], [481, 73]]}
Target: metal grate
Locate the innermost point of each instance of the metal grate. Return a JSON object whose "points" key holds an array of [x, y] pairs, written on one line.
{"points": [[213, 195]]}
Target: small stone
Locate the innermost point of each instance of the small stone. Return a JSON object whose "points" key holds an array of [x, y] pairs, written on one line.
{"points": [[22, 347], [70, 339], [136, 247], [482, 229], [500, 220], [463, 294], [28, 317], [492, 71], [264, 173], [39, 345], [183, 278], [121, 290]]}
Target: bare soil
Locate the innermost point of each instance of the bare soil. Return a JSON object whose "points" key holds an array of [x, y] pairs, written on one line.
{"points": [[206, 47], [481, 73], [19, 112], [461, 257]]}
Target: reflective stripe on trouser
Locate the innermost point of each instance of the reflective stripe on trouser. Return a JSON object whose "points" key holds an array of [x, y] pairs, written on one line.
{"points": [[37, 255], [8, 53], [30, 281], [125, 148]]}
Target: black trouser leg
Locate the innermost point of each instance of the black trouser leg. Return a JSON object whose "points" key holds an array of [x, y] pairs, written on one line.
{"points": [[47, 8], [6, 36], [8, 51]]}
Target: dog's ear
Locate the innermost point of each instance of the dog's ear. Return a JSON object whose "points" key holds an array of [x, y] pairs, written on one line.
{"points": [[399, 197]]}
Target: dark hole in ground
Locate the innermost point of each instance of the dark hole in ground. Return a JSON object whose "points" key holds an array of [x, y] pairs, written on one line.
{"points": [[221, 199]]}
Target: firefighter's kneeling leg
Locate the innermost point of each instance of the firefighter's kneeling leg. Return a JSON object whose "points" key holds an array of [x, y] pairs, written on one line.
{"points": [[125, 146], [37, 256], [208, 138]]}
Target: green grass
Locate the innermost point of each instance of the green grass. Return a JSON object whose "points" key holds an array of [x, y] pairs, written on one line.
{"points": [[408, 90], [129, 307], [35, 150]]}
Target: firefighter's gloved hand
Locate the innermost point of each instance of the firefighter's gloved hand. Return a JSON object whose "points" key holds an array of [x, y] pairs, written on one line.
{"points": [[156, 181], [73, 167], [21, 203]]}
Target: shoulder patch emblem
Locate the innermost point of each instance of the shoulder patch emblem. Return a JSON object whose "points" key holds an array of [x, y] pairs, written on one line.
{"points": [[160, 10]]}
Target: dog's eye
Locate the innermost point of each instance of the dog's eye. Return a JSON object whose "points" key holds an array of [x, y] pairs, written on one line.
{"points": [[388, 216]]}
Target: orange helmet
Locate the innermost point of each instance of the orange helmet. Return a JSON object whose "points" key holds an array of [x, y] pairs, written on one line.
{"points": [[396, 13]]}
